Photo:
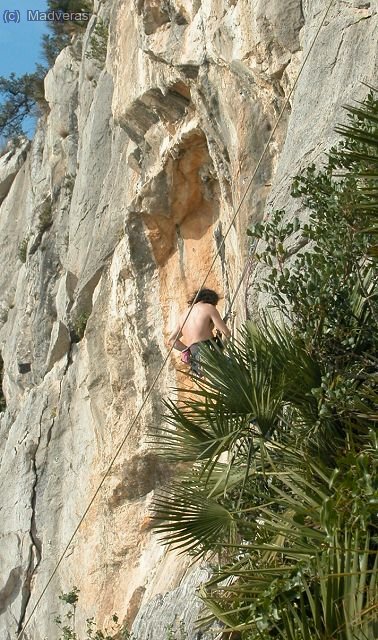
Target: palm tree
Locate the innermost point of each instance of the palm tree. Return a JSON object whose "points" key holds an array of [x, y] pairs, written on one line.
{"points": [[276, 445]]}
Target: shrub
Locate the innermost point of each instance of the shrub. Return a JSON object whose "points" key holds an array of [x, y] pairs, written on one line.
{"points": [[52, 45], [45, 218], [281, 432], [69, 183], [23, 249], [3, 404], [66, 622], [62, 32], [178, 633], [98, 43], [81, 8], [23, 96], [79, 326]]}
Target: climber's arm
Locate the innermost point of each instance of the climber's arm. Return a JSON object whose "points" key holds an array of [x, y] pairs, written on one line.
{"points": [[219, 323], [174, 337]]}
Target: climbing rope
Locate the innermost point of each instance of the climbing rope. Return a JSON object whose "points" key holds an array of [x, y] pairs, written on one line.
{"points": [[157, 376], [246, 268]]}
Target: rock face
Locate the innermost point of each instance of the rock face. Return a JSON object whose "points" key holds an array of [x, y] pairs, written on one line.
{"points": [[108, 222]]}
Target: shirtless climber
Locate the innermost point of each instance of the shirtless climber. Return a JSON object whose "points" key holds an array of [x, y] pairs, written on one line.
{"points": [[198, 328]]}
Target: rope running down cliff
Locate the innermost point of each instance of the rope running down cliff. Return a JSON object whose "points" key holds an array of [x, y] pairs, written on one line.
{"points": [[150, 390]]}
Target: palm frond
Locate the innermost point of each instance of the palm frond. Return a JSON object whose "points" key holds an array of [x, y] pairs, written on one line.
{"points": [[300, 373], [280, 432], [190, 520], [359, 156]]}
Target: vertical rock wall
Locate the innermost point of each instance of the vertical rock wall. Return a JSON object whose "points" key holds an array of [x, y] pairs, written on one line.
{"points": [[340, 65], [108, 222]]}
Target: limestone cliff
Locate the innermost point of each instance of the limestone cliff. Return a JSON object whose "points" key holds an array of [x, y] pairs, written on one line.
{"points": [[109, 219]]}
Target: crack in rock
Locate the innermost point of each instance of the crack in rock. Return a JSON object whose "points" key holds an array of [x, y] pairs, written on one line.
{"points": [[35, 549]]}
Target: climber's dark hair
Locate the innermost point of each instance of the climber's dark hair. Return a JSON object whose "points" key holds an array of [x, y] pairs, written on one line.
{"points": [[205, 295]]}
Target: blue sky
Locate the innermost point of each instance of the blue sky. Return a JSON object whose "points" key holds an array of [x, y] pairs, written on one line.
{"points": [[20, 44]]}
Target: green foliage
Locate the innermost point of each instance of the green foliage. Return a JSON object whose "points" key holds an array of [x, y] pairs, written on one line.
{"points": [[21, 97], [52, 45], [74, 7], [279, 437], [62, 31], [3, 404], [45, 218], [23, 249], [328, 289], [303, 553], [66, 622], [176, 634], [69, 183], [98, 43], [79, 326], [358, 156], [71, 597], [70, 6]]}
